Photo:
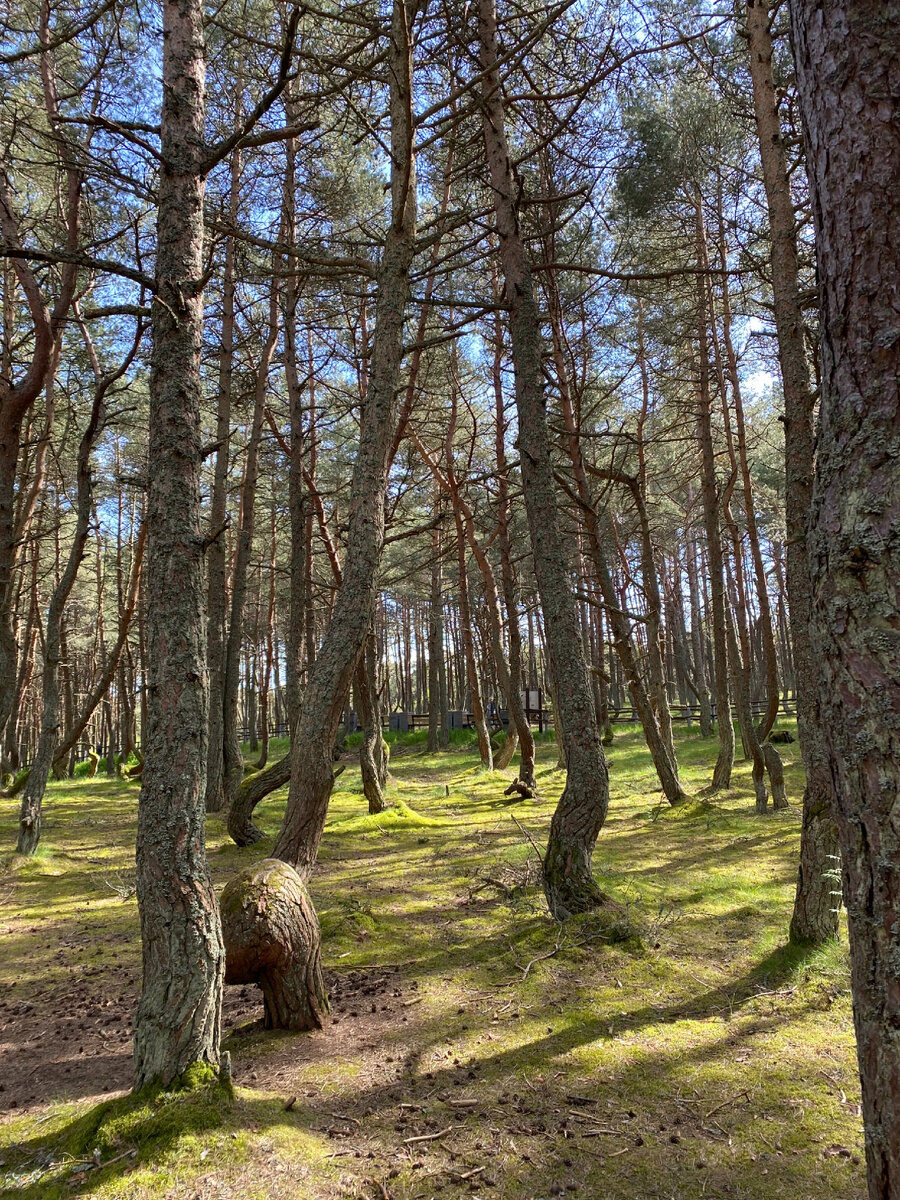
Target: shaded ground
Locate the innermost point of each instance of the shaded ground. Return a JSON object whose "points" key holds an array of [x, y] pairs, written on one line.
{"points": [[474, 1047]]}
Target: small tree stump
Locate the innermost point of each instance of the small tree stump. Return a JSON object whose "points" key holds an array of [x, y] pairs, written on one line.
{"points": [[272, 938], [781, 736]]}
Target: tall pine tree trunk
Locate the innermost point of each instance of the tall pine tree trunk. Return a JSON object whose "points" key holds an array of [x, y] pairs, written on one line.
{"points": [[217, 554], [435, 640], [330, 677], [815, 915], [569, 884], [710, 499], [846, 54], [178, 1018], [233, 759]]}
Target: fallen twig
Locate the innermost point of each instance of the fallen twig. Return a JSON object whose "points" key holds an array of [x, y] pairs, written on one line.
{"points": [[462, 1176], [525, 833], [428, 1137], [599, 1129], [725, 1104]]}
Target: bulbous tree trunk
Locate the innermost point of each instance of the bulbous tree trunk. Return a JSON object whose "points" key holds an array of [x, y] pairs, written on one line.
{"points": [[272, 938]]}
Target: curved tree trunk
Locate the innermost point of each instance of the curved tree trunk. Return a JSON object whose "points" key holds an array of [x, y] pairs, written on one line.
{"points": [[272, 938], [39, 773], [371, 754], [330, 677], [253, 790], [569, 884]]}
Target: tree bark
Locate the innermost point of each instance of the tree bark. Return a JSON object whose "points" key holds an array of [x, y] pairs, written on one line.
{"points": [[39, 772], [846, 54], [217, 554], [710, 498], [233, 759], [569, 884], [815, 915], [272, 938], [312, 776], [178, 1020], [371, 751]]}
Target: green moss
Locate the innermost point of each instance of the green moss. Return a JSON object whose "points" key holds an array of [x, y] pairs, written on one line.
{"points": [[703, 1004]]}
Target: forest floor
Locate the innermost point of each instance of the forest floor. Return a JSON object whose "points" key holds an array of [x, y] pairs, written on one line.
{"points": [[475, 1048]]}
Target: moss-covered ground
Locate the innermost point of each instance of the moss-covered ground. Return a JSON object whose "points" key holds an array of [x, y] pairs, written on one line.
{"points": [[475, 1048]]}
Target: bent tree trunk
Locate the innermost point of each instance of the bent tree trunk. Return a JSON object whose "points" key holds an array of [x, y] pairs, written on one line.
{"points": [[178, 1020], [371, 751], [32, 797], [331, 675], [846, 54], [251, 792], [568, 881], [272, 938], [815, 916]]}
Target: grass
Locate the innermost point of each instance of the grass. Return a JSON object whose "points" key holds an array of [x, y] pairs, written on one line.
{"points": [[722, 1060]]}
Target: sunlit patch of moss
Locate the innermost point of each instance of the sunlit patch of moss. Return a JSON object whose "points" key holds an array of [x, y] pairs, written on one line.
{"points": [[712, 1016]]}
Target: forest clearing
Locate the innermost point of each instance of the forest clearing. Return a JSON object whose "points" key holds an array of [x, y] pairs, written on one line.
{"points": [[700, 1057]]}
